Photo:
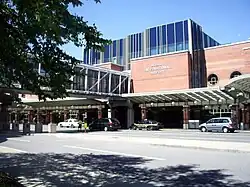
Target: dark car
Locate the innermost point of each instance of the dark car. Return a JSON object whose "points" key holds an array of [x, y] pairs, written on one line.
{"points": [[147, 124], [105, 124]]}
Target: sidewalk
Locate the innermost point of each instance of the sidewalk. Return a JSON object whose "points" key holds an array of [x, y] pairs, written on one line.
{"points": [[196, 130]]}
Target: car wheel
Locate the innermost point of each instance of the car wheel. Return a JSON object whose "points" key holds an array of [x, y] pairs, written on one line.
{"points": [[203, 129], [105, 129], [225, 130]]}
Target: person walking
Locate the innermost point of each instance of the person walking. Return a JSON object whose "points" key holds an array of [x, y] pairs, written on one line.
{"points": [[80, 125], [85, 125]]}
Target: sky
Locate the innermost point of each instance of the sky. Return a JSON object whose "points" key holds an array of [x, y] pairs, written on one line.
{"points": [[226, 21]]}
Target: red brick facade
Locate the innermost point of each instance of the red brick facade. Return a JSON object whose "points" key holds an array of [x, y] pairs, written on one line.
{"points": [[111, 66], [224, 60], [165, 72], [172, 71]]}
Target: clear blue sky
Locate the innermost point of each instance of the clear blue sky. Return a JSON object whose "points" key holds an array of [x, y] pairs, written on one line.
{"points": [[224, 20]]}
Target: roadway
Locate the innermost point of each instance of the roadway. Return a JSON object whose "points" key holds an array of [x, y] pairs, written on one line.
{"points": [[52, 160], [238, 136]]}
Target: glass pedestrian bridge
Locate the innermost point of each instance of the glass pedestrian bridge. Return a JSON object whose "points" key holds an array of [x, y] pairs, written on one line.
{"points": [[94, 81]]}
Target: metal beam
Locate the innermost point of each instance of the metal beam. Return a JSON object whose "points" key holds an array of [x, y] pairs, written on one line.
{"points": [[193, 98], [120, 79], [210, 97], [86, 79], [119, 84], [98, 81], [98, 78], [197, 95]]}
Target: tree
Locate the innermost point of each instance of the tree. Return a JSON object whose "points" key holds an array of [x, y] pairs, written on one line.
{"points": [[32, 33]]}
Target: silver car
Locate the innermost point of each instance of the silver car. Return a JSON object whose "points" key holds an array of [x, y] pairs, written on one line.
{"points": [[224, 124]]}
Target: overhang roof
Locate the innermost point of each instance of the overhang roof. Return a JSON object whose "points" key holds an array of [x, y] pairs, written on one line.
{"points": [[62, 102], [195, 95], [241, 83]]}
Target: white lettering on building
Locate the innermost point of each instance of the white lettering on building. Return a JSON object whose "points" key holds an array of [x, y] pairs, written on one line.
{"points": [[157, 68]]}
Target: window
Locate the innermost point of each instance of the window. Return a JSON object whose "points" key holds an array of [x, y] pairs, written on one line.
{"points": [[213, 79], [152, 37], [170, 33], [164, 35], [235, 74], [86, 58], [140, 45], [186, 31], [106, 53], [179, 32], [210, 121], [121, 47], [194, 34], [224, 121], [217, 120], [114, 48]]}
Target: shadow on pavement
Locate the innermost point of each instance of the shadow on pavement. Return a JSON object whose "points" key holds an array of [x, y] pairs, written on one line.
{"points": [[5, 135], [108, 171]]}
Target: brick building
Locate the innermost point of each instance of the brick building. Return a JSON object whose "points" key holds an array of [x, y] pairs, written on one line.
{"points": [[180, 73]]}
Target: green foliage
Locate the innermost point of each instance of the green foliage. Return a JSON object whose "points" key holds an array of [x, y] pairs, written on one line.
{"points": [[32, 33]]}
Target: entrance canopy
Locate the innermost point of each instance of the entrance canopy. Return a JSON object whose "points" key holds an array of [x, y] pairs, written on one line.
{"points": [[241, 83], [196, 96]]}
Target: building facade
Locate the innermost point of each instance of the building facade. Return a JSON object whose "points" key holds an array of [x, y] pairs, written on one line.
{"points": [[163, 39]]}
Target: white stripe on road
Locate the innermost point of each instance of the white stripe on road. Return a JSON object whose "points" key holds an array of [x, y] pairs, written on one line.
{"points": [[114, 153], [4, 149], [18, 140]]}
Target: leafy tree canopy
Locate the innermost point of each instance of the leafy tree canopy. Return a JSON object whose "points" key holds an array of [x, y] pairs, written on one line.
{"points": [[32, 32]]}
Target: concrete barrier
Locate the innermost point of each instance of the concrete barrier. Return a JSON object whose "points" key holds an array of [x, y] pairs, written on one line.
{"points": [[52, 128]]}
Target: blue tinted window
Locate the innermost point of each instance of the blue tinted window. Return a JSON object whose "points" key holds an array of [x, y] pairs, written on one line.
{"points": [[170, 33], [164, 35], [179, 32], [200, 38], [140, 41], [98, 55], [93, 56], [121, 47], [131, 43], [85, 59], [158, 36], [186, 30], [153, 37], [194, 29], [205, 41], [106, 53], [153, 51], [135, 43], [114, 48]]}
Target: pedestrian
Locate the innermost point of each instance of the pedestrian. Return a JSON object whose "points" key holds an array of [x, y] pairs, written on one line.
{"points": [[85, 125], [80, 126]]}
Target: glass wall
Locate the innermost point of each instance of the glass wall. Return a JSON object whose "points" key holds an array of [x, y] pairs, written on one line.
{"points": [[167, 38], [156, 40], [208, 41]]}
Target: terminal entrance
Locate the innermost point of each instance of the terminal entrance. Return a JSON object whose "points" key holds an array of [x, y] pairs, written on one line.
{"points": [[170, 117]]}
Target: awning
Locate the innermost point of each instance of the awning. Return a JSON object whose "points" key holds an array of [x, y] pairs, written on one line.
{"points": [[197, 96], [62, 102], [241, 83]]}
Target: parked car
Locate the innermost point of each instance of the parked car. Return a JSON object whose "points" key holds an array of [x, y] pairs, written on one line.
{"points": [[224, 124], [146, 124], [106, 124], [73, 123]]}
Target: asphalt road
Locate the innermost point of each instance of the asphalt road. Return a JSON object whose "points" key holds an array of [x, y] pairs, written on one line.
{"points": [[49, 160], [238, 136]]}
